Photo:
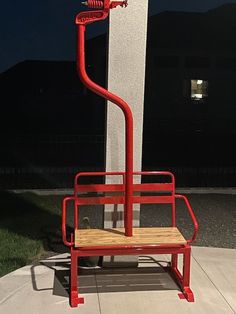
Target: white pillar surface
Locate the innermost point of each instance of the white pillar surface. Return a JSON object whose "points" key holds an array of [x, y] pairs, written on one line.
{"points": [[126, 78]]}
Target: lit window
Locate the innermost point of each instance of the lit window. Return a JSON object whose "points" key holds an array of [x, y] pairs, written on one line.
{"points": [[199, 89]]}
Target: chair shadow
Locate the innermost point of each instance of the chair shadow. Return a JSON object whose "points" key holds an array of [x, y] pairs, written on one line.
{"points": [[154, 277]]}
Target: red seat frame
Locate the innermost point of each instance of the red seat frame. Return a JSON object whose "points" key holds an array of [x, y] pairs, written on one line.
{"points": [[82, 197]]}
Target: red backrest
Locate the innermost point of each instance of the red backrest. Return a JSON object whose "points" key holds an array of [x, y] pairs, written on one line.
{"points": [[144, 193]]}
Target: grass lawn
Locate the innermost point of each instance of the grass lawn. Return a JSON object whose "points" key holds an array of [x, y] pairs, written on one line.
{"points": [[30, 228]]}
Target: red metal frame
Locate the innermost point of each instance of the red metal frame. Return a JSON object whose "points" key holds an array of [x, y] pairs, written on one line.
{"points": [[162, 189], [83, 19], [126, 192]]}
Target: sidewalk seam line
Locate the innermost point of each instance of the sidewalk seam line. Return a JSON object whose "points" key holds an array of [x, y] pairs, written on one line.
{"points": [[99, 304], [214, 284]]}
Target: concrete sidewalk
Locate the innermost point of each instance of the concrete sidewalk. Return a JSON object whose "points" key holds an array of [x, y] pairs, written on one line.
{"points": [[43, 289]]}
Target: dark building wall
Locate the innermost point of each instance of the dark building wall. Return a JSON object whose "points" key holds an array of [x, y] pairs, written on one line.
{"points": [[181, 133], [52, 126]]}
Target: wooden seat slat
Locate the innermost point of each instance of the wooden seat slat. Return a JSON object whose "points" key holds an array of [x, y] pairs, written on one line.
{"points": [[141, 236]]}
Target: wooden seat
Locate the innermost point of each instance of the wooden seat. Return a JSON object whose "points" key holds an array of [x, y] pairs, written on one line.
{"points": [[141, 236]]}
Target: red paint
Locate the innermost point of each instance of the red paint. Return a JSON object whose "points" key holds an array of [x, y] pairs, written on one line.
{"points": [[126, 193], [162, 188], [82, 22]]}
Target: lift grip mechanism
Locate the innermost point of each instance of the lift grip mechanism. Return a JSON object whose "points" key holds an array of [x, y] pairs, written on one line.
{"points": [[104, 6]]}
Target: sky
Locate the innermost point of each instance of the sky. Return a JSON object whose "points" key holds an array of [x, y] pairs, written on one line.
{"points": [[45, 30]]}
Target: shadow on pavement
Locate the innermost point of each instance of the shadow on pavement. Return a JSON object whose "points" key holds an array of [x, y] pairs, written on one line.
{"points": [[98, 280]]}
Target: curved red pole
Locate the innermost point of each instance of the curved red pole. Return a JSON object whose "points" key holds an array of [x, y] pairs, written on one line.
{"points": [[128, 125]]}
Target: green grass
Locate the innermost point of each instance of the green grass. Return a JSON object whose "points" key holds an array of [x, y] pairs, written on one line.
{"points": [[29, 229]]}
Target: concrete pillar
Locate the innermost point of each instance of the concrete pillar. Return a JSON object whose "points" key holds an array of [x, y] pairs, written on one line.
{"points": [[126, 78]]}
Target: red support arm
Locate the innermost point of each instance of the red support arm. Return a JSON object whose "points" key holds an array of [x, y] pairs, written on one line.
{"points": [[82, 20], [63, 224], [192, 215]]}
